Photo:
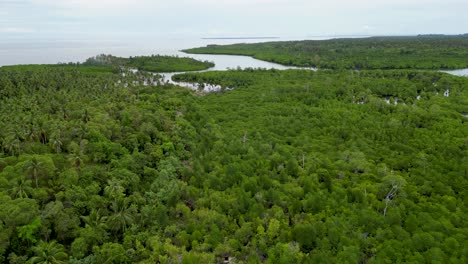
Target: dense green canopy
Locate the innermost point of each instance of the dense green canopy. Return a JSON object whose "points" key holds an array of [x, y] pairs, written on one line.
{"points": [[421, 52], [153, 63], [290, 166]]}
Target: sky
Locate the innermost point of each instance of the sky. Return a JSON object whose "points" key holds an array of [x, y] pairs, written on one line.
{"points": [[72, 19]]}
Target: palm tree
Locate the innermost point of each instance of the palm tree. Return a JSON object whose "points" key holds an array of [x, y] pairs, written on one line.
{"points": [[42, 129], [57, 144], [34, 167], [97, 224], [86, 117], [122, 216], [81, 131], [2, 142], [12, 143], [95, 219], [31, 133], [114, 190], [76, 160], [20, 188], [49, 253]]}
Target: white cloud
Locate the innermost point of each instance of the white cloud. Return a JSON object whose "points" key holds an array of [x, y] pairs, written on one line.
{"points": [[15, 30], [368, 28], [89, 8], [224, 17], [96, 4]]}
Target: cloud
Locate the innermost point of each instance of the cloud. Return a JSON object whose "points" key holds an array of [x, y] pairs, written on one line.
{"points": [[368, 28], [96, 4], [127, 8], [223, 17], [15, 30]]}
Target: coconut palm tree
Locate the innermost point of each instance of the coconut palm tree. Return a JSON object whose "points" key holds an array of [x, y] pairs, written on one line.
{"points": [[122, 216], [12, 144], [34, 167], [114, 190], [76, 160], [20, 188], [97, 225], [56, 143], [43, 131], [49, 253]]}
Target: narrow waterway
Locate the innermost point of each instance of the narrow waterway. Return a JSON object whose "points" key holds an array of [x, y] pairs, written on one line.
{"points": [[223, 63], [459, 72], [227, 62]]}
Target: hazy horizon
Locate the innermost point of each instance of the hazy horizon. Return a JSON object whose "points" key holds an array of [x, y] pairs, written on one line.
{"points": [[39, 51], [140, 19], [51, 31]]}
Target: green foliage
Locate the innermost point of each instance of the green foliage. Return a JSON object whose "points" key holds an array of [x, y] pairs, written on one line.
{"points": [[79, 157], [288, 167], [84, 69], [329, 140], [153, 63], [421, 52], [111, 253], [48, 253], [27, 232]]}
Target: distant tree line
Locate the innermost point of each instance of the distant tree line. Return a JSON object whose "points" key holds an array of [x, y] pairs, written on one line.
{"points": [[153, 63], [420, 52]]}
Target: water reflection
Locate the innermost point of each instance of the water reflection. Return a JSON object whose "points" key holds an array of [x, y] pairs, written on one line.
{"points": [[49, 51], [459, 72], [223, 63]]}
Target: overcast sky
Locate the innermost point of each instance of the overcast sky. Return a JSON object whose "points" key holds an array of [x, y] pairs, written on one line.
{"points": [[66, 19]]}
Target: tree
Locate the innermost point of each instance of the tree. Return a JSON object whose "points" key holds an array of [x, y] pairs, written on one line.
{"points": [[56, 143], [97, 222], [12, 144], [34, 167], [39, 167], [305, 235], [395, 183], [49, 253], [122, 215], [27, 232], [20, 188], [17, 212], [114, 190], [76, 160], [324, 177], [111, 253]]}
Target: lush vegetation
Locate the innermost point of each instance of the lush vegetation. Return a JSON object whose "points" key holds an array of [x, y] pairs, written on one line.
{"points": [[300, 166], [69, 68], [421, 52], [289, 167], [89, 165], [153, 63], [101, 164]]}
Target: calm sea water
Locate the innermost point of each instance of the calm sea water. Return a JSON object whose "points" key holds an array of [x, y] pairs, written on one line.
{"points": [[53, 51], [33, 51], [459, 72]]}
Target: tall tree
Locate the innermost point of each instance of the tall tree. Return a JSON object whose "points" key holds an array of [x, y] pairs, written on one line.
{"points": [[49, 253]]}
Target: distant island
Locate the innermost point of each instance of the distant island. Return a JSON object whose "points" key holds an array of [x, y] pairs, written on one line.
{"points": [[243, 38], [441, 35], [371, 53]]}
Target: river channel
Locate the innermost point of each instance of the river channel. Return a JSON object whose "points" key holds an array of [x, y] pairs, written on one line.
{"points": [[226, 62]]}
